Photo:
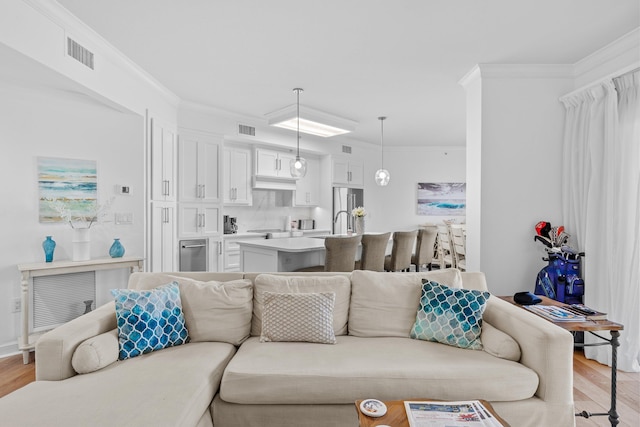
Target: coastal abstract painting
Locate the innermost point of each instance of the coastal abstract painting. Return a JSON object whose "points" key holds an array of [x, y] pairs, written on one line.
{"points": [[70, 181], [442, 198]]}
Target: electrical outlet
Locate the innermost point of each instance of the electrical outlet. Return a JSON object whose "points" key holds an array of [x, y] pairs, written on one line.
{"points": [[17, 305]]}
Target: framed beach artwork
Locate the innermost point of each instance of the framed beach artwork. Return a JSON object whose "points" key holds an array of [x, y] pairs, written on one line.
{"points": [[70, 182], [442, 198]]}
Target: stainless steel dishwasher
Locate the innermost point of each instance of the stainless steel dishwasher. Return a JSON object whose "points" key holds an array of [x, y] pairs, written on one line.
{"points": [[194, 255]]}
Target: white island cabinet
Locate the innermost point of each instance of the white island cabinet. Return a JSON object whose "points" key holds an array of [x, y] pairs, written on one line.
{"points": [[273, 255]]}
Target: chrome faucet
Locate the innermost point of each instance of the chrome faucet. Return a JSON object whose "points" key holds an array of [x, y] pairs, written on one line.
{"points": [[338, 214]]}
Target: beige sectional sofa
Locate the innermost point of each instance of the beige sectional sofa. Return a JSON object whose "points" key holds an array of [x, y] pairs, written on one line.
{"points": [[227, 377]]}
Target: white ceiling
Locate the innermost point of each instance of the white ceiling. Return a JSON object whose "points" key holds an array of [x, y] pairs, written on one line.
{"points": [[359, 59]]}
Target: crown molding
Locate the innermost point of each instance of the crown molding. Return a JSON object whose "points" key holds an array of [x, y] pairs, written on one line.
{"points": [[472, 75], [423, 148], [220, 112], [527, 71], [518, 71], [627, 44], [71, 25]]}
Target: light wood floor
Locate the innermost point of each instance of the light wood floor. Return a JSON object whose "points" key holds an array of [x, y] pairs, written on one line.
{"points": [[591, 388]]}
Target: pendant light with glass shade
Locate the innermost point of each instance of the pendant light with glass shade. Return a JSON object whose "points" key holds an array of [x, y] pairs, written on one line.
{"points": [[382, 175], [299, 165]]}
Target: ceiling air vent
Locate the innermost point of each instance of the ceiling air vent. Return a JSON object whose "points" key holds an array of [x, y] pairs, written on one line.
{"points": [[246, 130], [346, 149], [79, 52]]}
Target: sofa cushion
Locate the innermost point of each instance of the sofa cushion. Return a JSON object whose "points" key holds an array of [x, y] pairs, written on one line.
{"points": [[340, 285], [498, 343], [217, 311], [213, 310], [96, 353], [171, 387], [450, 316], [149, 320], [385, 304], [298, 317], [356, 368]]}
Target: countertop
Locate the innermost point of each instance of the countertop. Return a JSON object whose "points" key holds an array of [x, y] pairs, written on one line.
{"points": [[253, 235], [291, 244]]}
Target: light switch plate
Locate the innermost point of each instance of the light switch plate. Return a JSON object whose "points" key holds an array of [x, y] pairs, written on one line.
{"points": [[124, 218]]}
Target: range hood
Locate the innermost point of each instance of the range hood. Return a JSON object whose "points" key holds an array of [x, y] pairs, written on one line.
{"points": [[273, 183]]}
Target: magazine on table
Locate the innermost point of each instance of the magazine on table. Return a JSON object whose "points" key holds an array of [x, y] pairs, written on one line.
{"points": [[557, 314], [471, 413]]}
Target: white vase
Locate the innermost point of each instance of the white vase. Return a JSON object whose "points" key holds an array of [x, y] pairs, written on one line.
{"points": [[81, 244], [360, 225]]}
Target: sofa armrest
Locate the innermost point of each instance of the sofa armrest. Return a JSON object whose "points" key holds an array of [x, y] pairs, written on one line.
{"points": [[546, 348], [54, 349]]}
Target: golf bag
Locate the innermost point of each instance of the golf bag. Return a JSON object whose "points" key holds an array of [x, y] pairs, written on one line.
{"points": [[561, 278]]}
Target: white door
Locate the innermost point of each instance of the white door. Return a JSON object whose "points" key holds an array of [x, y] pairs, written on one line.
{"points": [[210, 220], [356, 173], [163, 251], [209, 172], [163, 148], [340, 171], [267, 162], [188, 170], [189, 220]]}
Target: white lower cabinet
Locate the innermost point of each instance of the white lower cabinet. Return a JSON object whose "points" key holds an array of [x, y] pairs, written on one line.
{"points": [[215, 254], [232, 250]]}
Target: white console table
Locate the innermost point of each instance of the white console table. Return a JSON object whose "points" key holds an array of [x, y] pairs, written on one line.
{"points": [[28, 341]]}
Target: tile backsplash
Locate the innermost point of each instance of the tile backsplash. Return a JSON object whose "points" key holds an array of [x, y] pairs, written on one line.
{"points": [[270, 210]]}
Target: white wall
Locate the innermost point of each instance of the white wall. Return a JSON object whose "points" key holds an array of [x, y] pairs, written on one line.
{"points": [[521, 132], [51, 123], [39, 30], [394, 206], [473, 86]]}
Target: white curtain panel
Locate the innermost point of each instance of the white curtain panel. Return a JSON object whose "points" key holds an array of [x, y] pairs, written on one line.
{"points": [[601, 186]]}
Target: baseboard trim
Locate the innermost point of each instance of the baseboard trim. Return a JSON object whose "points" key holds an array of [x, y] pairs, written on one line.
{"points": [[10, 349]]}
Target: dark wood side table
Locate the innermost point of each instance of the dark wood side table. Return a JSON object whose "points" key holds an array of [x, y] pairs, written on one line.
{"points": [[591, 326], [396, 415]]}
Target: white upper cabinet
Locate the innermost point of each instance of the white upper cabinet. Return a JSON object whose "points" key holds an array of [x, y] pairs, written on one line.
{"points": [[308, 187], [272, 163], [163, 160], [347, 172], [237, 175], [199, 167]]}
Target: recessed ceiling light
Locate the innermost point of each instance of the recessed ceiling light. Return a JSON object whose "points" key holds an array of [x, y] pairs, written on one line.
{"points": [[312, 121]]}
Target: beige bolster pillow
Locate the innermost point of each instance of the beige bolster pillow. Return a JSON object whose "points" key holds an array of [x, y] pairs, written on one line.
{"points": [[499, 344], [96, 353]]}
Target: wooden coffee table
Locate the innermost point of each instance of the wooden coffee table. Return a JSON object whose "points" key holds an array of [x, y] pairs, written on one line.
{"points": [[396, 415]]}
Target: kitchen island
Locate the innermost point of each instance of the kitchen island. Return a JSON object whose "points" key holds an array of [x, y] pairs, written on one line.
{"points": [[277, 255]]}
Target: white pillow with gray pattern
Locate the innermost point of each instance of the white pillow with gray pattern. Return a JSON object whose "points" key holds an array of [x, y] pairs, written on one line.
{"points": [[299, 317]]}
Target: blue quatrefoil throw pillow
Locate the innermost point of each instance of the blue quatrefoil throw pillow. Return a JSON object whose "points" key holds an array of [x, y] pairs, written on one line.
{"points": [[149, 320], [450, 315]]}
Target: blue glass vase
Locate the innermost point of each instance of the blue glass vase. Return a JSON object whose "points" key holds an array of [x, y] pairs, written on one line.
{"points": [[49, 245], [116, 250]]}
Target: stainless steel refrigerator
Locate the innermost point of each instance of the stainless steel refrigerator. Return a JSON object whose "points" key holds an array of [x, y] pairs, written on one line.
{"points": [[344, 200]]}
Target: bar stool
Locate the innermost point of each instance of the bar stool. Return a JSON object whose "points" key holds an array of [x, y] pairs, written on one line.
{"points": [[445, 249], [340, 254], [400, 258], [425, 245], [459, 245], [374, 249]]}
